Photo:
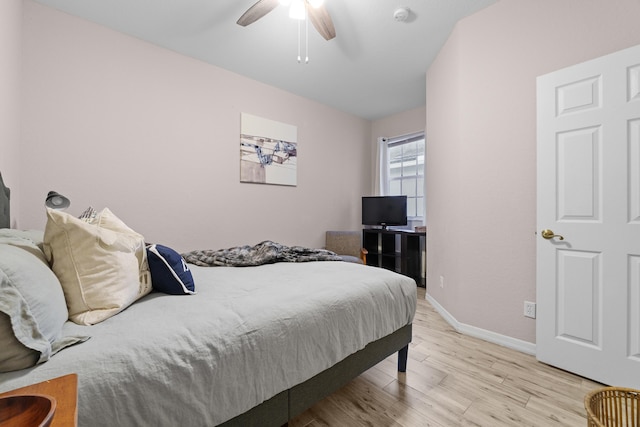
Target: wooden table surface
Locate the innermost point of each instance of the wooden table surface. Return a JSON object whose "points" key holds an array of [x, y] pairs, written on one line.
{"points": [[64, 390]]}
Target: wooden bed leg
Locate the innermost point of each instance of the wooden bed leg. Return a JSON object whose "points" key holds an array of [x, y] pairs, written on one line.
{"points": [[402, 358]]}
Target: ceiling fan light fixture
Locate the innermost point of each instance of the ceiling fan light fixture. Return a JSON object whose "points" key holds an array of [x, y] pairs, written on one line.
{"points": [[316, 3], [297, 10]]}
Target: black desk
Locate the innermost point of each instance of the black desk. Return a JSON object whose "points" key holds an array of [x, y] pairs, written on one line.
{"points": [[402, 251]]}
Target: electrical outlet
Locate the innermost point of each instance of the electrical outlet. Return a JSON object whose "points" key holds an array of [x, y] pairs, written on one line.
{"points": [[530, 309], [442, 281]]}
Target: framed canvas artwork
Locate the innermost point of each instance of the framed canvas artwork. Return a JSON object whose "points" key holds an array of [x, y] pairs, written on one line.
{"points": [[268, 151]]}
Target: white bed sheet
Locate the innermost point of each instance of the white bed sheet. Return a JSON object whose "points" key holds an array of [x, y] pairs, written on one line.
{"points": [[248, 334]]}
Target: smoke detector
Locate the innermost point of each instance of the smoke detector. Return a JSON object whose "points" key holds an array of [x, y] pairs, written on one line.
{"points": [[401, 14]]}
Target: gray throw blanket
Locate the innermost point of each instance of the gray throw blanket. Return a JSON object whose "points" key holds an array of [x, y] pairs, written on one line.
{"points": [[266, 252]]}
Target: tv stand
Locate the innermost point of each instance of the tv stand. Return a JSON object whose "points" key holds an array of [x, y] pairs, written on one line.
{"points": [[402, 251]]}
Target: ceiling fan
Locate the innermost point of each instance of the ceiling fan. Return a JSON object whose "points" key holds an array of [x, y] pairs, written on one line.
{"points": [[316, 11]]}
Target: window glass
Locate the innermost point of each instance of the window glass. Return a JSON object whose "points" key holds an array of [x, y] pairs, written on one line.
{"points": [[411, 206], [409, 187], [405, 167], [395, 189], [395, 170]]}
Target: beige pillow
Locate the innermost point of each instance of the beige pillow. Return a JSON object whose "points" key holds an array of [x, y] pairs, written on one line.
{"points": [[101, 265]]}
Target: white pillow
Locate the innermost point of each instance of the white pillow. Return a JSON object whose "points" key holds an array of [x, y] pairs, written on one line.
{"points": [[102, 265]]}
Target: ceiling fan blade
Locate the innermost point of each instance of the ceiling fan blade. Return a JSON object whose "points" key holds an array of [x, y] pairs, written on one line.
{"points": [[257, 11], [321, 21]]}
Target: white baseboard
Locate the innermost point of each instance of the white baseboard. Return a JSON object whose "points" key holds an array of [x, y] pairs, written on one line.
{"points": [[503, 340]]}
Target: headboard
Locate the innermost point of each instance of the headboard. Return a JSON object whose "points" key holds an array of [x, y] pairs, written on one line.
{"points": [[5, 218]]}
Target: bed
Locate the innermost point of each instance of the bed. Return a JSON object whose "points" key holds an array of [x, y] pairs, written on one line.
{"points": [[254, 346]]}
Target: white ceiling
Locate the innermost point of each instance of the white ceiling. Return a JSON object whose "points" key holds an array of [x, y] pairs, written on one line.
{"points": [[374, 67]]}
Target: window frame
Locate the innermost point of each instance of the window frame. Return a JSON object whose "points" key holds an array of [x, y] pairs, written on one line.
{"points": [[385, 163]]}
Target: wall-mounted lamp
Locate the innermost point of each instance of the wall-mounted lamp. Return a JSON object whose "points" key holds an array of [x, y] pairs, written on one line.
{"points": [[56, 200]]}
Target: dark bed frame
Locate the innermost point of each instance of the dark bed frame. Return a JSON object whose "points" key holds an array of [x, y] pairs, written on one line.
{"points": [[5, 205], [288, 404]]}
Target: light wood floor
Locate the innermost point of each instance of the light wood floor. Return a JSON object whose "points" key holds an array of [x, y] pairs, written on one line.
{"points": [[454, 380]]}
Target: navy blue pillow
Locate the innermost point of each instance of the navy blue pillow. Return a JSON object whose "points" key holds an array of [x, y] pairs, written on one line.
{"points": [[169, 271]]}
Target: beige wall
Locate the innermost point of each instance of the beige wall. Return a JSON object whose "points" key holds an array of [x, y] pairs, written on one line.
{"points": [[10, 66], [481, 148], [399, 124], [153, 135]]}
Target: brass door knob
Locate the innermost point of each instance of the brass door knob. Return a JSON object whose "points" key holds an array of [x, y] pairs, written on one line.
{"points": [[549, 234]]}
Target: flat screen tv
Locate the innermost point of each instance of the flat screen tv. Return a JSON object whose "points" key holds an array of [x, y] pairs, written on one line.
{"points": [[384, 210]]}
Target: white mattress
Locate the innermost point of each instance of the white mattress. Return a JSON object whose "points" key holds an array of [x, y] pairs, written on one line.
{"points": [[248, 334]]}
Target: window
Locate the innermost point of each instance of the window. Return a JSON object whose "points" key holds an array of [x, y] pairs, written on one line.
{"points": [[405, 171]]}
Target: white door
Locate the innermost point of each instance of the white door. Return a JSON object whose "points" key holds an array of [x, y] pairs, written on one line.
{"points": [[588, 284]]}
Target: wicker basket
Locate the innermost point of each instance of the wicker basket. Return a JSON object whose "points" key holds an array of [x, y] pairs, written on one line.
{"points": [[613, 407]]}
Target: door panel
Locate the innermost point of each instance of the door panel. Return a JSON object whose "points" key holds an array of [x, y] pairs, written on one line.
{"points": [[578, 96], [633, 148], [633, 83], [579, 318], [634, 307], [578, 160]]}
